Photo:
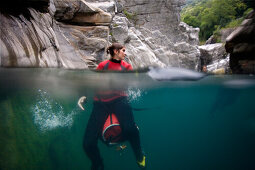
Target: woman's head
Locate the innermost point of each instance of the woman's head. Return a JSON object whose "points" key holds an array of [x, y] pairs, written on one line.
{"points": [[117, 51]]}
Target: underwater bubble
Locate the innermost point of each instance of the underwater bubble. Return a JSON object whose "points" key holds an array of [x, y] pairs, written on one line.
{"points": [[134, 94], [49, 114]]}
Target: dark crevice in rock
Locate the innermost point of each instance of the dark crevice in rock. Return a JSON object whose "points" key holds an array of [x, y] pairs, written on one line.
{"points": [[17, 7], [80, 23]]}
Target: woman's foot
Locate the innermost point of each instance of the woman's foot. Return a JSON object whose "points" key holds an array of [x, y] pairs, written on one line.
{"points": [[141, 163]]}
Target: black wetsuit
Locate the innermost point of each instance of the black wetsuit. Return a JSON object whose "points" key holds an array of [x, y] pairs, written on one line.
{"points": [[99, 114]]}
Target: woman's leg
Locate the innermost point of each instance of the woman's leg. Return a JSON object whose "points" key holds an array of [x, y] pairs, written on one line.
{"points": [[123, 111], [92, 132]]}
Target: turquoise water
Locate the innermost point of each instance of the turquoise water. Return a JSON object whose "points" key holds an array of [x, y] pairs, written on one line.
{"points": [[207, 123]]}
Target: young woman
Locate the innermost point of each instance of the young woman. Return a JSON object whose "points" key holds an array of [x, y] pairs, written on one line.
{"points": [[112, 102]]}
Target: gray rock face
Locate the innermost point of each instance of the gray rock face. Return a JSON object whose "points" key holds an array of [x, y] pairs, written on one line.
{"points": [[158, 32], [41, 41], [212, 52], [75, 33], [225, 33], [30, 46], [214, 56], [81, 12], [119, 29], [189, 34], [162, 15], [221, 66]]}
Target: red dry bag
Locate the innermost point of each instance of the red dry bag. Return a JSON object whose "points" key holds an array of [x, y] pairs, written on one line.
{"points": [[111, 133]]}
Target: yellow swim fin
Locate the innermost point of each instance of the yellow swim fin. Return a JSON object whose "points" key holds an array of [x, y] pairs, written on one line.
{"points": [[141, 164]]}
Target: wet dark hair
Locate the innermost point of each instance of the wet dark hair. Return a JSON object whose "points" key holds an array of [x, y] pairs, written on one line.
{"points": [[114, 46]]}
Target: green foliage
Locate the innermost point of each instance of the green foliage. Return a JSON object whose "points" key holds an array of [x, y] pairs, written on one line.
{"points": [[212, 15], [238, 21], [130, 16], [247, 12], [234, 23], [115, 25]]}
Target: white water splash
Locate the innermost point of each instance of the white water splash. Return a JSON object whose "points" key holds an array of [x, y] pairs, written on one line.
{"points": [[172, 73], [134, 94], [49, 114]]}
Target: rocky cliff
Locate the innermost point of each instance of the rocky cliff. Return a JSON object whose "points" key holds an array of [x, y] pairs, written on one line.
{"points": [[241, 46], [74, 33]]}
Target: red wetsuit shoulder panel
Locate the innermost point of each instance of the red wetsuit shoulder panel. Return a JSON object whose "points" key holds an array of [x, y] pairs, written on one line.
{"points": [[126, 65], [102, 64]]}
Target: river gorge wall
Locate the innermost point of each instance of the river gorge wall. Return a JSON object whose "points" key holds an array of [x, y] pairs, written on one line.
{"points": [[74, 34]]}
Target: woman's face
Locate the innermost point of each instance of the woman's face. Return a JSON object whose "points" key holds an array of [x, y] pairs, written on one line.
{"points": [[120, 54]]}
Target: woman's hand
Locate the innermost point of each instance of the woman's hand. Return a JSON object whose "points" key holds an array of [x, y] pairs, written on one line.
{"points": [[80, 101]]}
